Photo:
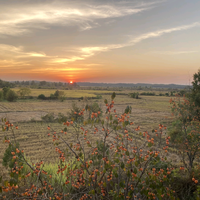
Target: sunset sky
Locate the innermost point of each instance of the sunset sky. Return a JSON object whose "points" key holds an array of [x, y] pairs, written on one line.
{"points": [[112, 41]]}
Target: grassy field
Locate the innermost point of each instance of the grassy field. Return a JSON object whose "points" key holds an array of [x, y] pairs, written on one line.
{"points": [[68, 93], [147, 112]]}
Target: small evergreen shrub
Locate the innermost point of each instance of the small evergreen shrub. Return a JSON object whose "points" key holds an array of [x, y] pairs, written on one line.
{"points": [[42, 96]]}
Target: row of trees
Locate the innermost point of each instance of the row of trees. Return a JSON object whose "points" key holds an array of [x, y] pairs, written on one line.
{"points": [[6, 84], [38, 84], [45, 84], [10, 95], [172, 93]]}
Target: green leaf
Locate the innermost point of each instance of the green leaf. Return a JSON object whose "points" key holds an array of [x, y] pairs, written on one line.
{"points": [[127, 153], [121, 184], [105, 101], [113, 95], [122, 165], [126, 123], [6, 183], [129, 173], [150, 144], [135, 171]]}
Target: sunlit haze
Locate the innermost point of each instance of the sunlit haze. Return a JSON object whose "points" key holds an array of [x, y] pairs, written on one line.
{"points": [[111, 41]]}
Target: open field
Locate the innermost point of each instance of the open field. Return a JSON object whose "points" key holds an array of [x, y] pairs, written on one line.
{"points": [[82, 92], [68, 93], [147, 112]]}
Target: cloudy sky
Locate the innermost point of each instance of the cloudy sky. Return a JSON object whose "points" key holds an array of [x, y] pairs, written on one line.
{"points": [[130, 41]]}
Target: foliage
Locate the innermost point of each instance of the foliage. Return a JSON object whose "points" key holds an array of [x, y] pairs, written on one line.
{"points": [[195, 93], [185, 131], [92, 108], [11, 96], [123, 163], [5, 91], [62, 118], [134, 95], [11, 154], [48, 117], [99, 96], [24, 92], [75, 114], [1, 95], [182, 93], [41, 96], [6, 84], [58, 95]]}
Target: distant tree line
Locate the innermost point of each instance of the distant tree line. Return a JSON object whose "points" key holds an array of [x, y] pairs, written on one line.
{"points": [[45, 84], [180, 93], [6, 84], [38, 84]]}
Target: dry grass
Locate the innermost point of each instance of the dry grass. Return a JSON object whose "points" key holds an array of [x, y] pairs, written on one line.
{"points": [[68, 93], [147, 112]]}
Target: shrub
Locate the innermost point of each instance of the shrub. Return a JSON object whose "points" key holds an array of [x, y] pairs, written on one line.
{"points": [[48, 117], [52, 96], [58, 95], [41, 96], [114, 167], [185, 131], [99, 96], [134, 95], [11, 96], [107, 158], [93, 108], [5, 91], [74, 114], [62, 118]]}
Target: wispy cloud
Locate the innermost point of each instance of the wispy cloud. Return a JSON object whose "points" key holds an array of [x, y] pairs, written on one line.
{"points": [[60, 69], [18, 52], [163, 31], [84, 16], [174, 52], [83, 53], [90, 51]]}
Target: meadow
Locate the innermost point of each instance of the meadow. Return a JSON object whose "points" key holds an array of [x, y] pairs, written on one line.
{"points": [[32, 132], [147, 113]]}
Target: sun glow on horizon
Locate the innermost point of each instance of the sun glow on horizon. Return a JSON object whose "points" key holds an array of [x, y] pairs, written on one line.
{"points": [[71, 82]]}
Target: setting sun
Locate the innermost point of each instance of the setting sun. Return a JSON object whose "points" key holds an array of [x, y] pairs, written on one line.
{"points": [[71, 82]]}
